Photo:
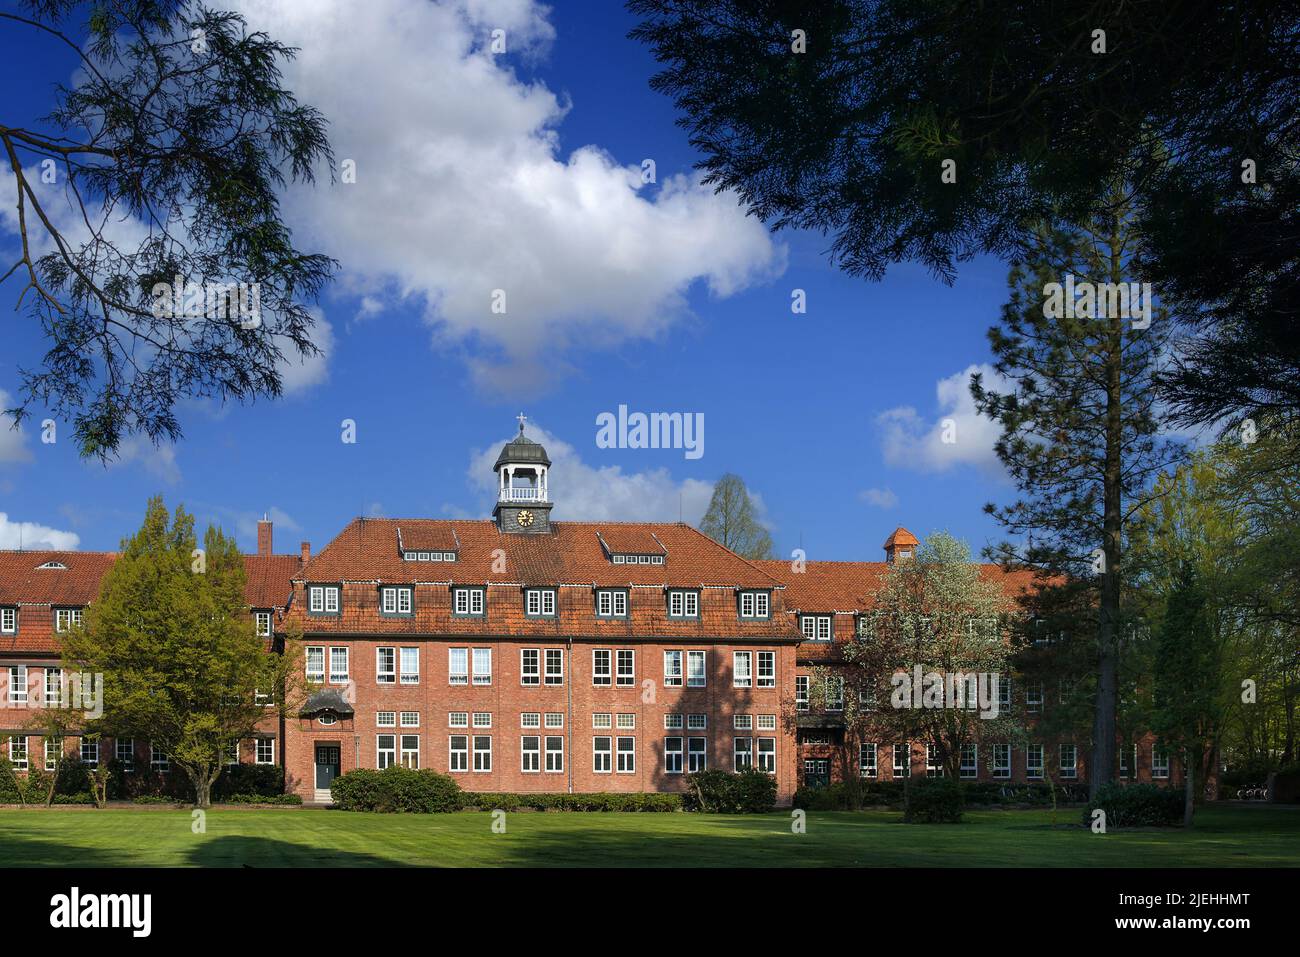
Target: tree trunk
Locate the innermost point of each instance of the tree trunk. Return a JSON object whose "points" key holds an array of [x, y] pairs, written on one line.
{"points": [[202, 791], [1189, 791]]}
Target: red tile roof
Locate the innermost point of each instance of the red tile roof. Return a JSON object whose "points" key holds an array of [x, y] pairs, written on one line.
{"points": [[851, 586], [630, 540], [425, 537], [901, 536]]}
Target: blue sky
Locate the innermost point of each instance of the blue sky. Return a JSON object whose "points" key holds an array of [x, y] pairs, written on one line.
{"points": [[508, 172]]}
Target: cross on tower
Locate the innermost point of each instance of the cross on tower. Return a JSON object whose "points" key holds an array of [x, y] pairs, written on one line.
{"points": [[522, 418]]}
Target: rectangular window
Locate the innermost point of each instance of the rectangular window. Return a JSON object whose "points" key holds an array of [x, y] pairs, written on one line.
{"points": [[385, 719], [767, 722], [482, 719], [754, 604], [395, 601], [626, 668], [483, 752], [933, 769], [867, 766], [672, 722], [602, 722], [467, 601], [600, 754], [482, 666], [672, 755], [742, 754], [673, 669], [266, 750], [65, 619], [8, 620], [554, 666], [815, 627], [1034, 697], [600, 667], [1004, 693], [741, 672], [18, 684], [801, 693], [458, 751], [262, 620], [767, 755], [902, 761], [315, 664], [1034, 762], [410, 659], [695, 665], [697, 758], [766, 669], [1069, 762], [969, 761], [554, 754], [323, 599], [90, 751], [385, 750], [611, 603], [697, 722], [625, 722], [232, 756], [626, 755], [1001, 761], [338, 666], [410, 719], [386, 666], [158, 760], [410, 754], [1159, 762], [530, 751], [18, 752], [742, 722], [539, 603], [1126, 769], [530, 667], [530, 719], [835, 693], [458, 719], [124, 751], [683, 604], [458, 666]]}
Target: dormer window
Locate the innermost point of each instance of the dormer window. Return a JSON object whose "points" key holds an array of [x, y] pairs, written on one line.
{"points": [[611, 603], [53, 565], [467, 601], [755, 604], [683, 603], [539, 603], [621, 559], [323, 600], [396, 599], [65, 619], [815, 627], [8, 620], [262, 622], [412, 556]]}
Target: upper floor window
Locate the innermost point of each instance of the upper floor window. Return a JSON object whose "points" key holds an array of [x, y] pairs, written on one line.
{"points": [[323, 599], [8, 620], [315, 664], [755, 604], [396, 600], [338, 666], [815, 627], [611, 603], [866, 626], [539, 602], [262, 619], [467, 601], [67, 618], [683, 604]]}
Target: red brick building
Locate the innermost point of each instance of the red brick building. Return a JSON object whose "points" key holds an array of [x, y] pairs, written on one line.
{"points": [[517, 654]]}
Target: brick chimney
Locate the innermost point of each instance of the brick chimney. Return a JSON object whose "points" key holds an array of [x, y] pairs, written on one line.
{"points": [[306, 553], [264, 537]]}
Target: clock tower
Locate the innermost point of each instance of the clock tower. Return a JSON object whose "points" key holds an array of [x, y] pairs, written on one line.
{"points": [[523, 495]]}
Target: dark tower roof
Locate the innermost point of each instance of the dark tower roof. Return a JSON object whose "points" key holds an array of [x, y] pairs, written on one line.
{"points": [[521, 451]]}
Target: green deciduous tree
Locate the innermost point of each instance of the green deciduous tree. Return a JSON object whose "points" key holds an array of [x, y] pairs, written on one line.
{"points": [[175, 643], [732, 520], [165, 159]]}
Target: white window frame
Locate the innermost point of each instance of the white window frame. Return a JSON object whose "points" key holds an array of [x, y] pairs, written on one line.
{"points": [[257, 750], [530, 753], [765, 754], [458, 719], [674, 754], [386, 665], [969, 770], [602, 754], [396, 599], [625, 754], [482, 665], [482, 756], [554, 753], [673, 674], [385, 719], [755, 605], [385, 748], [315, 675], [868, 761], [17, 684], [337, 676], [766, 675], [697, 754], [697, 676], [458, 753], [408, 664], [458, 666], [815, 627], [539, 602], [1034, 766], [553, 664], [468, 602], [902, 768], [262, 624], [683, 603], [742, 746], [602, 667], [1000, 764], [742, 669], [611, 603], [530, 667], [8, 620], [625, 677], [1069, 772]]}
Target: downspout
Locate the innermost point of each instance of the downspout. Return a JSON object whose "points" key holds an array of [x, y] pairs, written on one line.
{"points": [[568, 725]]}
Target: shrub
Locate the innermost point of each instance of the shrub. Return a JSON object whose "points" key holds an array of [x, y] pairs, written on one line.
{"points": [[721, 792], [1137, 805], [933, 801], [263, 799], [633, 802], [396, 789], [264, 779]]}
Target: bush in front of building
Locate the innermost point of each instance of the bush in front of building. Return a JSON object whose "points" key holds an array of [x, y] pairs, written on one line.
{"points": [[1137, 805], [602, 801], [266, 780], [262, 799], [933, 801], [397, 790], [721, 792]]}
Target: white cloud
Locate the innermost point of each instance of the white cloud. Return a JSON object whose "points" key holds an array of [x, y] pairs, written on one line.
{"points": [[13, 445], [958, 435], [879, 497], [298, 374], [246, 522], [461, 189], [158, 460], [30, 535], [582, 492]]}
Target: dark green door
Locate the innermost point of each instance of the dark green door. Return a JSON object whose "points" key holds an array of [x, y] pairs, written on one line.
{"points": [[327, 764]]}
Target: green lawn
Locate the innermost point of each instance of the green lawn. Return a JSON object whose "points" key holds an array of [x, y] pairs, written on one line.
{"points": [[293, 837]]}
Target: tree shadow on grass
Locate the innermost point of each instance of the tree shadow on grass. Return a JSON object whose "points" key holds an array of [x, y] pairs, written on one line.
{"points": [[17, 850], [244, 851]]}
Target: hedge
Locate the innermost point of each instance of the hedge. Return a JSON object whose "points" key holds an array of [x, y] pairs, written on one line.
{"points": [[721, 792], [636, 802], [934, 801], [1137, 805], [837, 797], [396, 789]]}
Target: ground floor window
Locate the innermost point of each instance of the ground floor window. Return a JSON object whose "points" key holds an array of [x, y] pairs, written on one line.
{"points": [[767, 755], [458, 749], [1159, 762], [697, 758], [125, 748], [626, 755], [554, 754], [158, 760], [601, 749], [1034, 762], [90, 751], [673, 755], [385, 750], [530, 750], [816, 772], [411, 751], [266, 750], [18, 752], [933, 769], [902, 761], [1001, 761], [867, 767], [743, 753], [52, 748], [483, 752], [969, 761], [1069, 761]]}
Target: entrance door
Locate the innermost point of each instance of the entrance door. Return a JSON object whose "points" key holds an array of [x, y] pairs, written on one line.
{"points": [[816, 772], [327, 765]]}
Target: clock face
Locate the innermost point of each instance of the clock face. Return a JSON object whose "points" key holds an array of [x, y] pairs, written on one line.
{"points": [[525, 518]]}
